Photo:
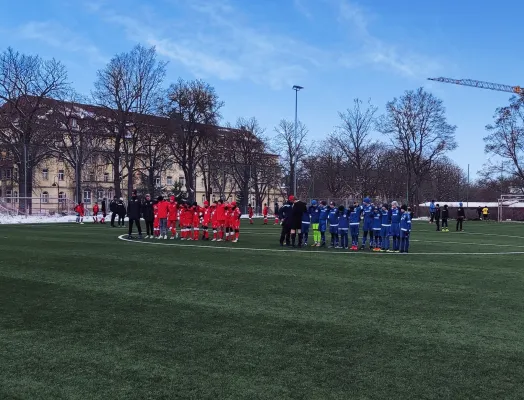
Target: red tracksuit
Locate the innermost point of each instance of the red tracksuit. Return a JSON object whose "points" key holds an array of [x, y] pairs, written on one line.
{"points": [[172, 217], [265, 212], [250, 212], [206, 219]]}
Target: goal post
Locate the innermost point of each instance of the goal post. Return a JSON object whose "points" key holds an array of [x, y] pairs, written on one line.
{"points": [[506, 201]]}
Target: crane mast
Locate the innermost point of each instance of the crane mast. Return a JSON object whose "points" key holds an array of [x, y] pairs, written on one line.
{"points": [[481, 85]]}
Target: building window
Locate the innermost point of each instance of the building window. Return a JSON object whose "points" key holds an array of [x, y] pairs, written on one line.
{"points": [[92, 176], [106, 176], [170, 181], [110, 194], [45, 197], [203, 198], [100, 194], [87, 196], [182, 181], [60, 174], [15, 196], [61, 197], [45, 174], [157, 182], [74, 123], [8, 195]]}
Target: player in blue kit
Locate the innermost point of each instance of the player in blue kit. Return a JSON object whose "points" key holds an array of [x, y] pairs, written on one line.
{"points": [[333, 224], [322, 222], [304, 231], [386, 225], [314, 212], [395, 226], [377, 226], [343, 227], [354, 226], [405, 228], [367, 228]]}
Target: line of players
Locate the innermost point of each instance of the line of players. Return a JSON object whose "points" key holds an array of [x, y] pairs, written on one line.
{"points": [[191, 221], [379, 224]]}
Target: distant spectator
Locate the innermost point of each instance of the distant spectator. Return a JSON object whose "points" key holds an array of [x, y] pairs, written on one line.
{"points": [[436, 216], [461, 216], [485, 213], [479, 212], [432, 211]]}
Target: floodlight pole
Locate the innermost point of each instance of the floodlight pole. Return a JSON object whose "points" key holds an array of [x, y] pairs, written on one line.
{"points": [[296, 88]]}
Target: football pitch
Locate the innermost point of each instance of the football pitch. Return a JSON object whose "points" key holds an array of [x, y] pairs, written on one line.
{"points": [[87, 315]]}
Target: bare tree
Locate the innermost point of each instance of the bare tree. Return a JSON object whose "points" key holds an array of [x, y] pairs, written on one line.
{"points": [[417, 127], [79, 136], [245, 153], [128, 88], [352, 137], [26, 84], [193, 108], [154, 158], [506, 140], [292, 147]]}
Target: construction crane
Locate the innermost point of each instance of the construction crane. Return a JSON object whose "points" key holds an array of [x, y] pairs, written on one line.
{"points": [[482, 85]]}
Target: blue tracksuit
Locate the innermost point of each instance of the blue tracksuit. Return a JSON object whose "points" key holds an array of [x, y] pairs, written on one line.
{"points": [[343, 228], [386, 225], [354, 225], [322, 223], [306, 221], [377, 226], [314, 211], [405, 229], [367, 212], [395, 228], [333, 225]]}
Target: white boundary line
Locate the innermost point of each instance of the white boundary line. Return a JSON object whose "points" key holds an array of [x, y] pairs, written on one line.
{"points": [[297, 251]]}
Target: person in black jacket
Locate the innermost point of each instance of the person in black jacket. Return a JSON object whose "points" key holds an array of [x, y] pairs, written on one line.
{"points": [[134, 211], [112, 209], [445, 216], [285, 221], [461, 216], [437, 216], [104, 211], [121, 212], [297, 210], [149, 215]]}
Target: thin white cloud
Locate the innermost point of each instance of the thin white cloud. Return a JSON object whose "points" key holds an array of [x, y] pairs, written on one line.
{"points": [[303, 8], [223, 44], [55, 35], [378, 51]]}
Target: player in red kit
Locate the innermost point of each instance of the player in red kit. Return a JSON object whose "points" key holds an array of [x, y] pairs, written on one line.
{"points": [[234, 218], [172, 216], [250, 213], [183, 221], [95, 213], [206, 220], [80, 211], [156, 221], [195, 220], [265, 212], [227, 221], [214, 221], [221, 217]]}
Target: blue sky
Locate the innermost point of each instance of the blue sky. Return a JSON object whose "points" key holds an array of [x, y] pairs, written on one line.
{"points": [[254, 52]]}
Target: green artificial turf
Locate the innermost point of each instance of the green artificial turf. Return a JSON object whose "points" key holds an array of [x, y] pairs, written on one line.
{"points": [[84, 315]]}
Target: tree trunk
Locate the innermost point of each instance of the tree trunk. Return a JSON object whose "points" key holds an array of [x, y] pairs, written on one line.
{"points": [[188, 173], [78, 182], [130, 179]]}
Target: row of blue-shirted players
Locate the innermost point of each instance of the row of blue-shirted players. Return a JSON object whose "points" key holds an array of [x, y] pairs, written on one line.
{"points": [[379, 223]]}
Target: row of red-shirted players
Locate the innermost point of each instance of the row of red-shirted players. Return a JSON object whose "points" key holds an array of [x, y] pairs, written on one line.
{"points": [[191, 219]]}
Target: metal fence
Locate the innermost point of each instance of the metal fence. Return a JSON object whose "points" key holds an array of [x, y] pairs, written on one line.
{"points": [[507, 213], [40, 206]]}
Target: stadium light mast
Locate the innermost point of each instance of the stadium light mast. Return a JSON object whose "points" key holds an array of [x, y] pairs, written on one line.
{"points": [[296, 88]]}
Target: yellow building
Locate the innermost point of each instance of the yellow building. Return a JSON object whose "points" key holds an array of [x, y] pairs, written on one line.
{"points": [[54, 183]]}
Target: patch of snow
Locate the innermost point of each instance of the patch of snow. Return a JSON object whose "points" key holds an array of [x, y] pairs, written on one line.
{"points": [[35, 219]]}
